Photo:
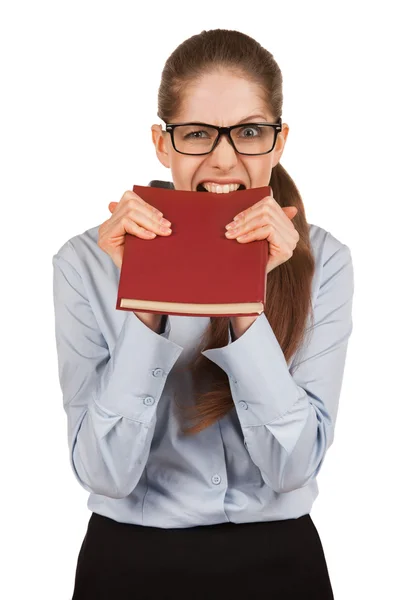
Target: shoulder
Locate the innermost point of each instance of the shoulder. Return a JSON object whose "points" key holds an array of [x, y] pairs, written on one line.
{"points": [[325, 244], [82, 252], [327, 248], [333, 261]]}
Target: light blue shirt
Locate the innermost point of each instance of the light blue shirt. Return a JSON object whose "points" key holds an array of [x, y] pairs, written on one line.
{"points": [[118, 378]]}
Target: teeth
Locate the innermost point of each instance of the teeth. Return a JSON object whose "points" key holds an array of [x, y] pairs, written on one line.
{"points": [[221, 189]]}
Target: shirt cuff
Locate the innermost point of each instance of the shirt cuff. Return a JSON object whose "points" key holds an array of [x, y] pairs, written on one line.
{"points": [[261, 385], [138, 368]]}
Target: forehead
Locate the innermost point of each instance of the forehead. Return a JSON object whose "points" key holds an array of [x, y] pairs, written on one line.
{"points": [[222, 98]]}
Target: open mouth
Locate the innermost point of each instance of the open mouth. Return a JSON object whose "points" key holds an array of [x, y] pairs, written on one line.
{"points": [[201, 188]]}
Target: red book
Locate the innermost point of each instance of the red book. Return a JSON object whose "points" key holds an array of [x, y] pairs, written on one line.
{"points": [[195, 270]]}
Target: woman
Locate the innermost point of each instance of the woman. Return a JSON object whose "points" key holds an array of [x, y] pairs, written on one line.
{"points": [[218, 508]]}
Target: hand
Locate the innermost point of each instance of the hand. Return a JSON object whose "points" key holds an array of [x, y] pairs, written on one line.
{"points": [[264, 220], [130, 215], [135, 216], [267, 220]]}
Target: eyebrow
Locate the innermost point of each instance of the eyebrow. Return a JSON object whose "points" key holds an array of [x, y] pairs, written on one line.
{"points": [[252, 117], [249, 119]]}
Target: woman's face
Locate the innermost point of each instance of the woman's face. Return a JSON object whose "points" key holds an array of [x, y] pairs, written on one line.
{"points": [[220, 99]]}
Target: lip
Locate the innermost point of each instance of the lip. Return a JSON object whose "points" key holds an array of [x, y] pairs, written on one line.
{"points": [[221, 181]]}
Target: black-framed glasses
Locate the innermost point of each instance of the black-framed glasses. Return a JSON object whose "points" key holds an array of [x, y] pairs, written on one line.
{"points": [[201, 138]]}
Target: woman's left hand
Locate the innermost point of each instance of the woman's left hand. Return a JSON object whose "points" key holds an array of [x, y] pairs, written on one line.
{"points": [[267, 220], [264, 220]]}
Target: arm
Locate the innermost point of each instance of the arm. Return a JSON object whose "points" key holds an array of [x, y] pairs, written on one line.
{"points": [[288, 415], [110, 397]]}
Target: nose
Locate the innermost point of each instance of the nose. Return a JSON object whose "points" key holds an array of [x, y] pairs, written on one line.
{"points": [[224, 139], [224, 154]]}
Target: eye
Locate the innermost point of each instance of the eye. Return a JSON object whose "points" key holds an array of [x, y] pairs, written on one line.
{"points": [[254, 128], [192, 134]]}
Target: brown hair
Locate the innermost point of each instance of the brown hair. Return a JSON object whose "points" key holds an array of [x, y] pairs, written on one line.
{"points": [[288, 293]]}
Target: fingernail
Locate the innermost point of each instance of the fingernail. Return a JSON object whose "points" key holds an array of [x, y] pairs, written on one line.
{"points": [[165, 222]]}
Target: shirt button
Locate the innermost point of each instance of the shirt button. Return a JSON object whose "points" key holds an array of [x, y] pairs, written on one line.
{"points": [[216, 479], [243, 404], [157, 372], [149, 400]]}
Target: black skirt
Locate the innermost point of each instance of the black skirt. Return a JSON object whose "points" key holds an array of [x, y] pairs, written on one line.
{"points": [[272, 560]]}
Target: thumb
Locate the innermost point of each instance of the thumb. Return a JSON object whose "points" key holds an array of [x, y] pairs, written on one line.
{"points": [[290, 211], [111, 206]]}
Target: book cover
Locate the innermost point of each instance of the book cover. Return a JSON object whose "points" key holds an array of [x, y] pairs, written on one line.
{"points": [[196, 270]]}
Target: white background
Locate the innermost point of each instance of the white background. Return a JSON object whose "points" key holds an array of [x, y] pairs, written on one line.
{"points": [[79, 88]]}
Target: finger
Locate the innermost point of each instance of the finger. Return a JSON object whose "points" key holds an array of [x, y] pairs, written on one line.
{"points": [[152, 213], [256, 221], [290, 211], [285, 219], [144, 214], [278, 242], [261, 202], [256, 208], [261, 233], [146, 221], [130, 197], [133, 228], [259, 217], [282, 219], [113, 231]]}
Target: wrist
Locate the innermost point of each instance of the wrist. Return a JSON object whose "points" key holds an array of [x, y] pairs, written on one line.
{"points": [[241, 324], [152, 320]]}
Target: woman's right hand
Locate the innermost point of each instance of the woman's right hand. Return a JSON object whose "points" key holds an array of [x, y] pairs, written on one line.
{"points": [[130, 215], [135, 216]]}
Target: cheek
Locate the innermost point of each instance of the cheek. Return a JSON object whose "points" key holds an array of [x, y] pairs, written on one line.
{"points": [[260, 171], [181, 172], [185, 171]]}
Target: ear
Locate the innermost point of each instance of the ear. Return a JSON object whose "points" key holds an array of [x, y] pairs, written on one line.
{"points": [[161, 144], [280, 143]]}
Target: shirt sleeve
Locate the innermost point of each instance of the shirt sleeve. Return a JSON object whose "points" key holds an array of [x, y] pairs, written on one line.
{"points": [[110, 397], [288, 415]]}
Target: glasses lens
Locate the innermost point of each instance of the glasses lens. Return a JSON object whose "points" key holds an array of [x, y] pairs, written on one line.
{"points": [[253, 139], [194, 139], [199, 139]]}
